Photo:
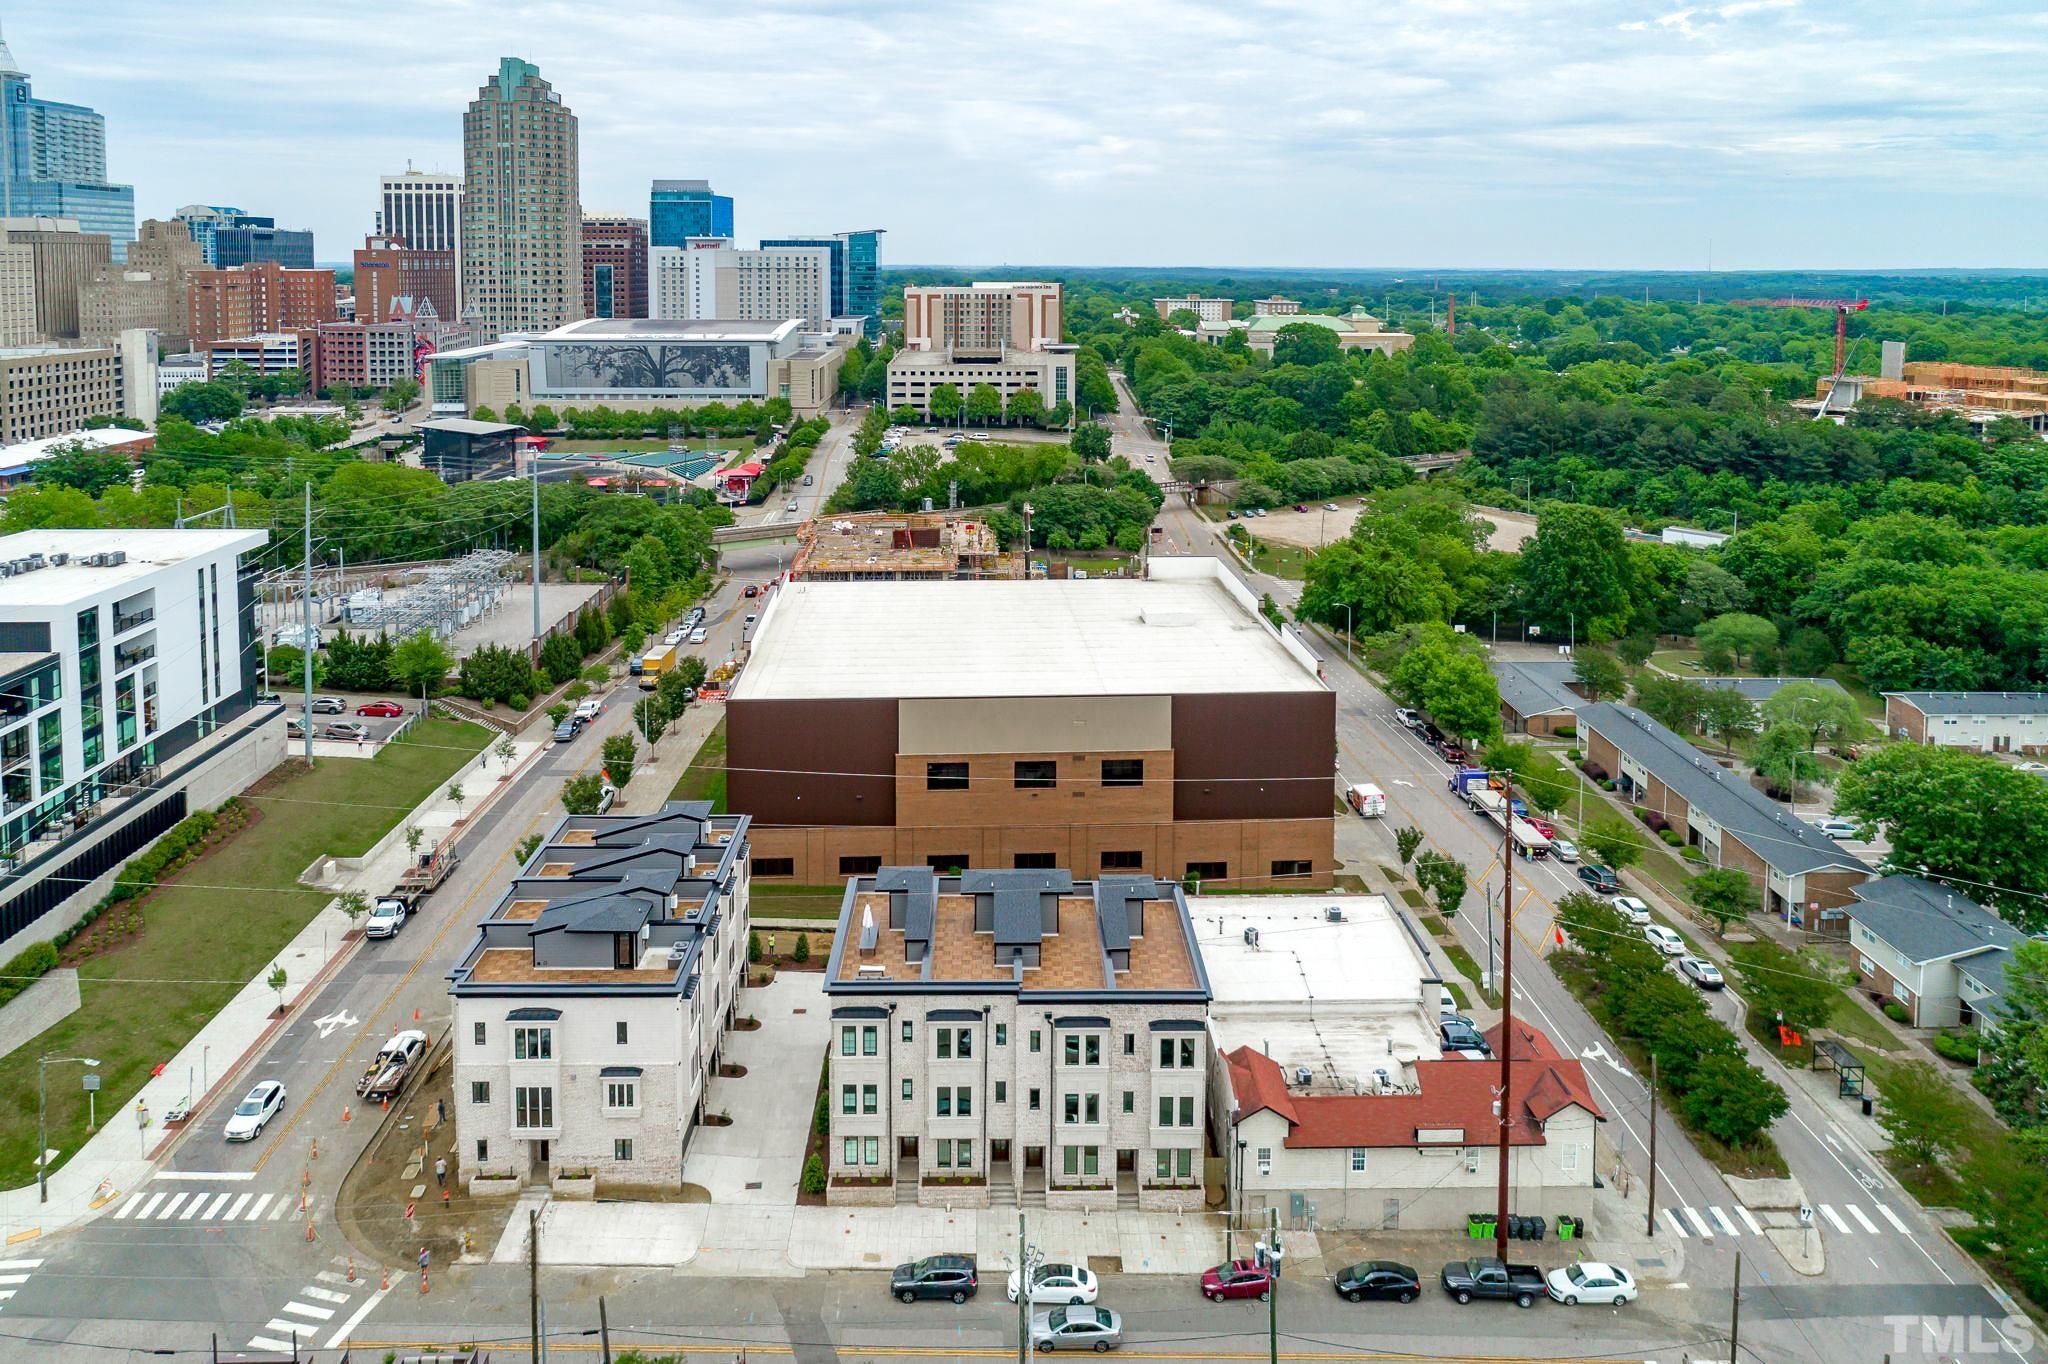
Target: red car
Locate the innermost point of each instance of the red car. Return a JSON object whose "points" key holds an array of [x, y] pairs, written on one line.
{"points": [[1542, 826], [385, 709], [1237, 1279]]}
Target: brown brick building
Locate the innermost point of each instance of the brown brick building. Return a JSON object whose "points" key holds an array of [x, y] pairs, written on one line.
{"points": [[388, 269], [614, 267], [1154, 726], [1799, 872], [249, 300]]}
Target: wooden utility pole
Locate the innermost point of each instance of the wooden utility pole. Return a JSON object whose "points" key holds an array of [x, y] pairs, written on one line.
{"points": [[1507, 1015], [533, 1276], [1650, 1225], [1735, 1314], [604, 1332]]}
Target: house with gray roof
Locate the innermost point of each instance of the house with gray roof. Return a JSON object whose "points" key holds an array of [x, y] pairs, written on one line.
{"points": [[1987, 721], [1536, 695], [1801, 875], [1931, 948], [592, 1004], [1761, 689]]}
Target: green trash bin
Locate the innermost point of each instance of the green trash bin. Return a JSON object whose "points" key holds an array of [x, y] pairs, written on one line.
{"points": [[1567, 1228]]}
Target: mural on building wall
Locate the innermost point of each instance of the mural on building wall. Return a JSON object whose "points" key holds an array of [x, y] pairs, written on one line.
{"points": [[650, 365]]}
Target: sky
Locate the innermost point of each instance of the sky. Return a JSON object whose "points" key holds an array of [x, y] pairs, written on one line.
{"points": [[1574, 134]]}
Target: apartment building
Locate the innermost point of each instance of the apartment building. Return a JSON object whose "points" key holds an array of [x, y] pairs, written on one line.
{"points": [[591, 1007], [1016, 1037], [1003, 335], [522, 222], [615, 267], [1215, 311], [266, 297], [709, 278], [1987, 721], [1157, 725]]}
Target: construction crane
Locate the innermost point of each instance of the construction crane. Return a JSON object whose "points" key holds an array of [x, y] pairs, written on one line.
{"points": [[1842, 306]]}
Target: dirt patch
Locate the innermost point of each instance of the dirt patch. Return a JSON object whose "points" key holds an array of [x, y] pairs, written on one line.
{"points": [[375, 1193], [653, 1193]]}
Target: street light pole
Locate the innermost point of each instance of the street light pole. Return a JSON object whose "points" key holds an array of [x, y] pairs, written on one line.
{"points": [[42, 1122], [1349, 621]]}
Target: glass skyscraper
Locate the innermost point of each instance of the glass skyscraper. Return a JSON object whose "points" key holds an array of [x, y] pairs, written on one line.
{"points": [[680, 209], [856, 272], [53, 162]]}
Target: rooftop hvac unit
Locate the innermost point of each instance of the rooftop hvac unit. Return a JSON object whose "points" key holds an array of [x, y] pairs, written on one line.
{"points": [[1382, 1081], [677, 951], [60, 559], [1302, 1075], [1334, 914], [116, 557], [872, 972]]}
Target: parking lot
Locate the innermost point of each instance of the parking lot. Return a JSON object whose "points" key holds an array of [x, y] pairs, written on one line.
{"points": [[379, 729]]}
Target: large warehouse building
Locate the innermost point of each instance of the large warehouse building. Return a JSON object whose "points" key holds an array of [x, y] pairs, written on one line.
{"points": [[1156, 726]]}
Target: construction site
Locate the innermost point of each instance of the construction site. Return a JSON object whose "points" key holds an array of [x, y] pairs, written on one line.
{"points": [[902, 547]]}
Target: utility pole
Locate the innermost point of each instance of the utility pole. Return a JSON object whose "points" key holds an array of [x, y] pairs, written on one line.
{"points": [[306, 651], [604, 1332], [533, 1276], [536, 548], [1507, 1014], [1273, 1286], [1735, 1314], [1027, 1266], [1650, 1221]]}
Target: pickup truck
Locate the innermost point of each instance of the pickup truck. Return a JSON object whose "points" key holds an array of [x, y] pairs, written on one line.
{"points": [[1490, 1278], [394, 1062]]}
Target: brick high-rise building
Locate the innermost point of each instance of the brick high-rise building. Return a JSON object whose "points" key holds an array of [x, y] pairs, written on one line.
{"points": [[65, 259], [390, 268], [253, 299], [152, 290], [522, 221], [615, 267]]}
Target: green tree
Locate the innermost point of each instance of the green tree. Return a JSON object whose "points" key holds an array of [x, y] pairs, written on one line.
{"points": [[1407, 839], [90, 469], [580, 795], [753, 948], [1738, 634], [2014, 1074], [1726, 714], [619, 751], [1672, 701], [421, 662], [561, 658], [1612, 843], [1091, 442], [1782, 759], [199, 403], [1731, 1100], [354, 904], [458, 795], [984, 405], [1446, 878], [1452, 684], [1306, 343], [1957, 815], [277, 980], [814, 1175], [1599, 675], [651, 714], [1724, 894], [1635, 650], [1026, 407], [1925, 1116], [946, 404], [1787, 987], [801, 953], [402, 394], [1575, 572], [1826, 713]]}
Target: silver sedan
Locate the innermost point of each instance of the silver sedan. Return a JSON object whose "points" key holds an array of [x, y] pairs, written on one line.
{"points": [[1071, 1328]]}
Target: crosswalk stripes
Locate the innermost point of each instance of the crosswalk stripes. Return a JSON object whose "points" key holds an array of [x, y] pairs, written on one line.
{"points": [[313, 1311], [13, 1274], [1688, 1223], [209, 1208]]}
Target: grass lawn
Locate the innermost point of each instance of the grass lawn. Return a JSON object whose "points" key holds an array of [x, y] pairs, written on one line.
{"points": [[1854, 1022], [1462, 959], [1097, 565], [795, 902], [214, 927], [704, 779], [1280, 559]]}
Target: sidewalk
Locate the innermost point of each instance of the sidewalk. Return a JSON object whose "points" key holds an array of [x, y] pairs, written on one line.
{"points": [[124, 1151], [663, 765]]}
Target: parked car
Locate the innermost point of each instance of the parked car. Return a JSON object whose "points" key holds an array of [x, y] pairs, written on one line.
{"points": [[673, 637], [1599, 879], [1070, 1328], [329, 705], [791, 506], [694, 619], [348, 731], [697, 635], [1463, 1037], [1379, 1280], [1564, 850], [1591, 1281], [294, 728], [1329, 506], [1834, 826], [1632, 909], [567, 730], [1237, 1279], [1664, 940], [1701, 972], [1455, 755], [952, 1277], [1407, 718], [254, 1112], [808, 480], [1056, 1283], [269, 698], [588, 709], [385, 918], [1301, 506], [1541, 826], [1230, 515], [1465, 1280], [753, 589], [383, 710], [1450, 1015]]}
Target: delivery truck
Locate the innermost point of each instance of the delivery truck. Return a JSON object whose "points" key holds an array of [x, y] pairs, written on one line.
{"points": [[654, 663]]}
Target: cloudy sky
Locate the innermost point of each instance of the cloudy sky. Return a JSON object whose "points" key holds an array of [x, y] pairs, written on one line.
{"points": [[1340, 133]]}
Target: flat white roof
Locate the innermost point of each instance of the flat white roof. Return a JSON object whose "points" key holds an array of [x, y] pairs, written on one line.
{"points": [[674, 329], [148, 552], [98, 438], [1105, 637], [1340, 998]]}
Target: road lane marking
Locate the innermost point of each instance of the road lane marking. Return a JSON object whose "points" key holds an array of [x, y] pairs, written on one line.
{"points": [[236, 1210], [325, 1294], [198, 1200], [1693, 1215], [20, 1264], [217, 1205], [290, 1328], [1827, 1210], [171, 1207], [238, 1176], [1857, 1213], [329, 1276], [13, 1278], [308, 1310], [128, 1206], [348, 1328], [1892, 1218], [1677, 1225], [1721, 1220], [150, 1206], [1748, 1219], [261, 1201]]}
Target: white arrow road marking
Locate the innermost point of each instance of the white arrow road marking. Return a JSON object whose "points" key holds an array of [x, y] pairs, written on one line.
{"points": [[340, 1018], [1596, 1052]]}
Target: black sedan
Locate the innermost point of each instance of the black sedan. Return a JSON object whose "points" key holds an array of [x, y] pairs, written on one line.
{"points": [[1380, 1280]]}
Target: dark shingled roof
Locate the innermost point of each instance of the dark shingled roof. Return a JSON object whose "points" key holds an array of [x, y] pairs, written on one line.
{"points": [[1926, 921]]}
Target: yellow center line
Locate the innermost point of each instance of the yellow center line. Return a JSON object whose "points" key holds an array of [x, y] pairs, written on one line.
{"points": [[658, 1349]]}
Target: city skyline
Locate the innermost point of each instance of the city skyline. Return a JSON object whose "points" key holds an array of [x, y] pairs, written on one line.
{"points": [[1755, 134]]}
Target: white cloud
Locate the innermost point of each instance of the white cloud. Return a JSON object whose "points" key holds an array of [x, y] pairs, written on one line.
{"points": [[1142, 131]]}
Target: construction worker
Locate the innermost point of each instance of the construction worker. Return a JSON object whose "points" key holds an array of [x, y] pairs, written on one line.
{"points": [[441, 1171]]}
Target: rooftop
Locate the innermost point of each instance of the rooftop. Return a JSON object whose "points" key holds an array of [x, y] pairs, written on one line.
{"points": [[1762, 689], [1927, 921], [1975, 702], [1537, 686], [669, 329], [25, 453], [463, 426], [935, 544], [147, 551], [1101, 637], [1013, 931], [1792, 846], [1339, 997]]}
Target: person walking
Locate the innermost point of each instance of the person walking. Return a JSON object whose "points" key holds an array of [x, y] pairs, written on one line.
{"points": [[441, 1171]]}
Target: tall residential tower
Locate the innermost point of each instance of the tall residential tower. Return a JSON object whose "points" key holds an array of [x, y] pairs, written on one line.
{"points": [[522, 239], [53, 162]]}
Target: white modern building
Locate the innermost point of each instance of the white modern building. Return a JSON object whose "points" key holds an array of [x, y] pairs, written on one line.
{"points": [[708, 278], [265, 353], [1333, 1099], [592, 1005], [1212, 310], [175, 370], [1008, 1036], [1005, 335]]}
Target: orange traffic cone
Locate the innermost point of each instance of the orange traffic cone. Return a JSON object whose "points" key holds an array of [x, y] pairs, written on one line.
{"points": [[316, 1148], [309, 1229], [423, 1282], [344, 1112], [415, 1015], [384, 1279]]}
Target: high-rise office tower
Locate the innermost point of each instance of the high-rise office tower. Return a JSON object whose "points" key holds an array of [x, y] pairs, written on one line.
{"points": [[53, 162], [681, 209], [204, 222], [423, 209], [522, 237], [614, 266], [856, 272]]}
